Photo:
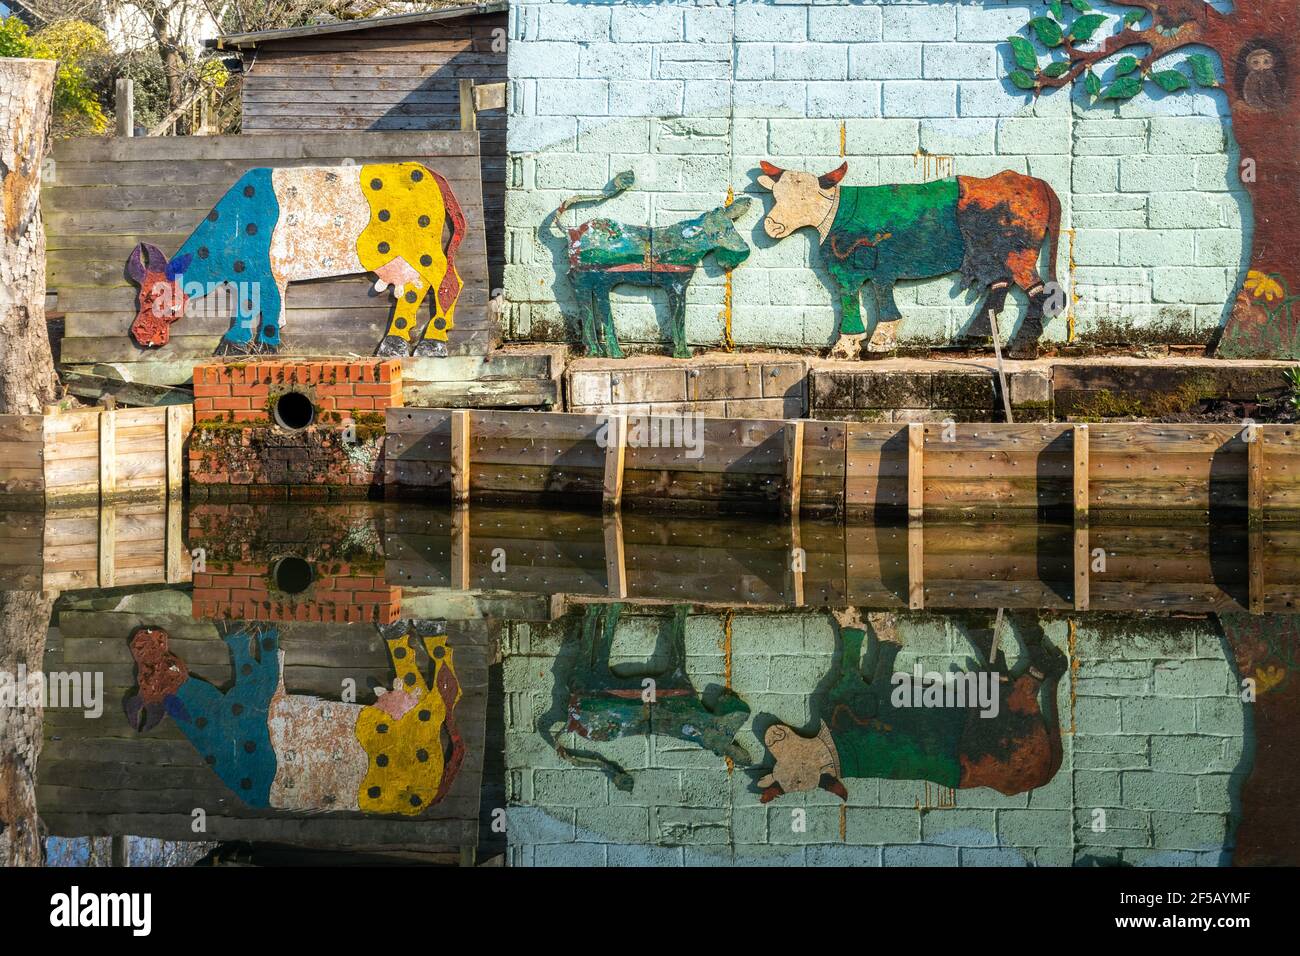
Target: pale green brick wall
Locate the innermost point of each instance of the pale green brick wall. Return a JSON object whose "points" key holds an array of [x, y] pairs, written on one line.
{"points": [[1158, 746], [692, 94]]}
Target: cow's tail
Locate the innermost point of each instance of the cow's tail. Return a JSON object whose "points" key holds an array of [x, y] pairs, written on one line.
{"points": [[1053, 229], [620, 184], [450, 286]]}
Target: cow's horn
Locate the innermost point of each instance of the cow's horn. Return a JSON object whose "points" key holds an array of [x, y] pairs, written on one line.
{"points": [[833, 785], [772, 171], [832, 179]]}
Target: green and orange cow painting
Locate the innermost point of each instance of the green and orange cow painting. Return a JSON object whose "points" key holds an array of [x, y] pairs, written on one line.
{"points": [[295, 752], [990, 230], [276, 226]]}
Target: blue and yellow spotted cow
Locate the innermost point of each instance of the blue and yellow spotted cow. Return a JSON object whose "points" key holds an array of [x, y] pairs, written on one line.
{"points": [[276, 226]]}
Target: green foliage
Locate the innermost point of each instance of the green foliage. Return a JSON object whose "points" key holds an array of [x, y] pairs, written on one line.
{"points": [[1079, 26], [71, 42]]}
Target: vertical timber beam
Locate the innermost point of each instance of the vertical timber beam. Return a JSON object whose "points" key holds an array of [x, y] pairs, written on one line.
{"points": [[124, 106], [468, 117], [107, 545], [615, 458], [615, 557], [1081, 480], [460, 552], [793, 467], [175, 448], [1255, 474], [107, 454], [915, 472], [1082, 581], [460, 457], [915, 567]]}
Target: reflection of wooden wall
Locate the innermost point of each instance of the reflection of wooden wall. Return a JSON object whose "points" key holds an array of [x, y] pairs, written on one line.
{"points": [[68, 549], [748, 563], [99, 776]]}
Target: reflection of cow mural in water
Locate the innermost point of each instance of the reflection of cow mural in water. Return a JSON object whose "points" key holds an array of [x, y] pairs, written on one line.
{"points": [[991, 230], [601, 702], [296, 752], [863, 734]]}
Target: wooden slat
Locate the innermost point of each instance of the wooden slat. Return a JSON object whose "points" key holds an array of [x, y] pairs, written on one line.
{"points": [[460, 459], [915, 471], [615, 459], [1080, 475], [794, 441]]}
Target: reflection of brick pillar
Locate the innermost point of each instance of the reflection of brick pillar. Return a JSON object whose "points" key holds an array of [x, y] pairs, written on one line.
{"points": [[278, 429], [270, 562]]}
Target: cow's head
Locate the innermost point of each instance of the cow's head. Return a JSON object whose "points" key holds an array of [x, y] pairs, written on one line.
{"points": [[159, 674], [802, 199], [729, 247], [800, 763], [162, 295]]}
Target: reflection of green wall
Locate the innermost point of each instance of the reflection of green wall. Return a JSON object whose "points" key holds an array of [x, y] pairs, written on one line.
{"points": [[1158, 735]]}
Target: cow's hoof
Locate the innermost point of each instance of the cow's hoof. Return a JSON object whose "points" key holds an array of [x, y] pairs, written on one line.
{"points": [[431, 348], [394, 346], [847, 347]]}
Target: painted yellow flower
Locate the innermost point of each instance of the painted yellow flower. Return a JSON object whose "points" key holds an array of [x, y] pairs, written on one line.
{"points": [[1263, 286], [1266, 678]]}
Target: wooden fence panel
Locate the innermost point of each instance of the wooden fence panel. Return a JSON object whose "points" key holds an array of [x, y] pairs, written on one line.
{"points": [[106, 195]]}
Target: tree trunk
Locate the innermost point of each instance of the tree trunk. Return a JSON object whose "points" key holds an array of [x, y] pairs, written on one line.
{"points": [[1265, 105], [24, 621], [27, 379]]}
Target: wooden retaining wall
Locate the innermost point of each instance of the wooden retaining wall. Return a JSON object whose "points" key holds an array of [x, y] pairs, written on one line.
{"points": [[99, 776], [95, 454], [105, 195], [862, 470]]}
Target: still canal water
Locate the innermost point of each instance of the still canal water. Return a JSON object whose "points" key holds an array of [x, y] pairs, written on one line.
{"points": [[537, 688]]}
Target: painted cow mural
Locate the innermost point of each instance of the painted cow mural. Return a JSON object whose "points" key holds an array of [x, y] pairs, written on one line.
{"points": [[604, 253], [285, 751], [276, 226], [861, 733], [599, 704], [991, 230]]}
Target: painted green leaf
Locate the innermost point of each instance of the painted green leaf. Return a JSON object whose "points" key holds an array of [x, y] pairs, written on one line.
{"points": [[1024, 53], [1083, 6], [1084, 27], [1022, 79], [1171, 81], [1092, 84], [1202, 69], [1133, 17], [1059, 68], [1126, 65], [1055, 7], [1123, 89], [1047, 30]]}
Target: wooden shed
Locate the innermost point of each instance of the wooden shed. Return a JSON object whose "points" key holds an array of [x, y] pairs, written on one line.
{"points": [[385, 73]]}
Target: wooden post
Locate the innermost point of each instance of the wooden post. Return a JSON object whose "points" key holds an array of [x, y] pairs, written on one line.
{"points": [[915, 472], [461, 576], [798, 561], [460, 463], [915, 567], [1082, 569], [176, 429], [178, 566], [793, 467], [107, 454], [615, 557], [107, 545], [1255, 475], [615, 458], [468, 118], [1081, 476], [124, 106], [27, 379], [1255, 561]]}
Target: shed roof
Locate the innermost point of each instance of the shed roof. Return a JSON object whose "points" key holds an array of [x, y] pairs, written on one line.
{"points": [[243, 41]]}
